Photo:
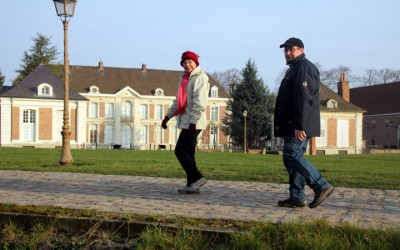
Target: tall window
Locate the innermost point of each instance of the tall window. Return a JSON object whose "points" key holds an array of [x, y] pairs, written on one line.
{"points": [[173, 134], [93, 133], [127, 110], [109, 110], [343, 133], [144, 111], [214, 136], [93, 110], [158, 112], [214, 114], [143, 134], [29, 125], [321, 140], [109, 134], [158, 134], [214, 92]]}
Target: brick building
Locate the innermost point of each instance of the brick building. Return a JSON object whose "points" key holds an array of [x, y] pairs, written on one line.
{"points": [[381, 122]]}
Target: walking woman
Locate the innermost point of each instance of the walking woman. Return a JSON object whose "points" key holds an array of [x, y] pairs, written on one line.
{"points": [[189, 109]]}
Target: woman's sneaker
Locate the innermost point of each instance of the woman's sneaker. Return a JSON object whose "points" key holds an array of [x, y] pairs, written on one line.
{"points": [[187, 190], [197, 184]]}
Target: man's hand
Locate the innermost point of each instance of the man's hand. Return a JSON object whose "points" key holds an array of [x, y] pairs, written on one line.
{"points": [[300, 134], [164, 122], [192, 129]]}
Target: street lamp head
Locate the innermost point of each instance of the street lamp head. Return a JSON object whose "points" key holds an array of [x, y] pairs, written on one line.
{"points": [[245, 113], [65, 8]]}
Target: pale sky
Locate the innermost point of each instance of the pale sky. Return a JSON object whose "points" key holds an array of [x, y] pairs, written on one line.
{"points": [[361, 34]]}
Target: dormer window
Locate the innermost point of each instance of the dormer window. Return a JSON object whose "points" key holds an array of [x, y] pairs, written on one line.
{"points": [[45, 89], [214, 92], [159, 92], [331, 104], [94, 90]]}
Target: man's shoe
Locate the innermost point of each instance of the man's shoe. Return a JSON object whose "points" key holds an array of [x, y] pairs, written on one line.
{"points": [[197, 184], [319, 198], [292, 203], [187, 190]]}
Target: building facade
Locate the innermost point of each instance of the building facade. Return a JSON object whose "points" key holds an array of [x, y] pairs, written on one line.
{"points": [[109, 108], [381, 122]]}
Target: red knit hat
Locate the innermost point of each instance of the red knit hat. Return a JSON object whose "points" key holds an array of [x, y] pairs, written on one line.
{"points": [[190, 55]]}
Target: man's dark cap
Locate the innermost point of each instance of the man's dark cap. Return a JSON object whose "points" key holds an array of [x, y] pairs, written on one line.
{"points": [[293, 41]]}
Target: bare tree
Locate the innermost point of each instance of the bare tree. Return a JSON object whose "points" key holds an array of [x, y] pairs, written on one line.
{"points": [[374, 77], [228, 77]]}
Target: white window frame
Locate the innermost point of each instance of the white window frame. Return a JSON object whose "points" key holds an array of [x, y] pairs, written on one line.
{"points": [[93, 110], [342, 133], [109, 134], [173, 134], [94, 90], [321, 141], [158, 112], [214, 92], [93, 134], [29, 125], [45, 89], [144, 134], [214, 113], [144, 111], [127, 109], [110, 107], [158, 135]]}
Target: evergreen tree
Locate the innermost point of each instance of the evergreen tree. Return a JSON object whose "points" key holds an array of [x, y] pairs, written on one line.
{"points": [[253, 95], [2, 79], [42, 52]]}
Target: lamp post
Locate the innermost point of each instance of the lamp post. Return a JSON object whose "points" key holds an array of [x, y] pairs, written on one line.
{"points": [[65, 10], [244, 139]]}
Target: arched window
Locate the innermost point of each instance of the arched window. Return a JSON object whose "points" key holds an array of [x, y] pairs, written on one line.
{"points": [[159, 92], [331, 104], [214, 92], [127, 112], [94, 89], [45, 89]]}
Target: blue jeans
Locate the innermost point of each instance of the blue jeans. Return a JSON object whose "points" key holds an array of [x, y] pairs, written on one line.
{"points": [[300, 170]]}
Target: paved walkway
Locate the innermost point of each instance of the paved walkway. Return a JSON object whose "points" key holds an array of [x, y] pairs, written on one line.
{"points": [[241, 201]]}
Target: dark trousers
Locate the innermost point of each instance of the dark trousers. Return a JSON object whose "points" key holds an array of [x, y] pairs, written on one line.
{"points": [[184, 151]]}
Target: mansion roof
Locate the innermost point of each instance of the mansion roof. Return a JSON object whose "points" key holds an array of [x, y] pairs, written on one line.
{"points": [[110, 80], [341, 105], [28, 87], [378, 99]]}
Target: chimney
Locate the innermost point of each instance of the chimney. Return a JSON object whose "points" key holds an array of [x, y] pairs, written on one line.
{"points": [[101, 67], [344, 87], [144, 68]]}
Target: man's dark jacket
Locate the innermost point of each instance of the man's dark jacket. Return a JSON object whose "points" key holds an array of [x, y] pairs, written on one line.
{"points": [[297, 103]]}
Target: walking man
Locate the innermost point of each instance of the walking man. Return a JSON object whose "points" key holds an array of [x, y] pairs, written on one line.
{"points": [[297, 119]]}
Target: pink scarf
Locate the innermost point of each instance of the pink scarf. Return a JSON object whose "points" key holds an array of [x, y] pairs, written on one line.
{"points": [[182, 95]]}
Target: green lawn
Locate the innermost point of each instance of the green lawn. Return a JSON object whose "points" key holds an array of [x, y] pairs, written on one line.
{"points": [[379, 171], [376, 171]]}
